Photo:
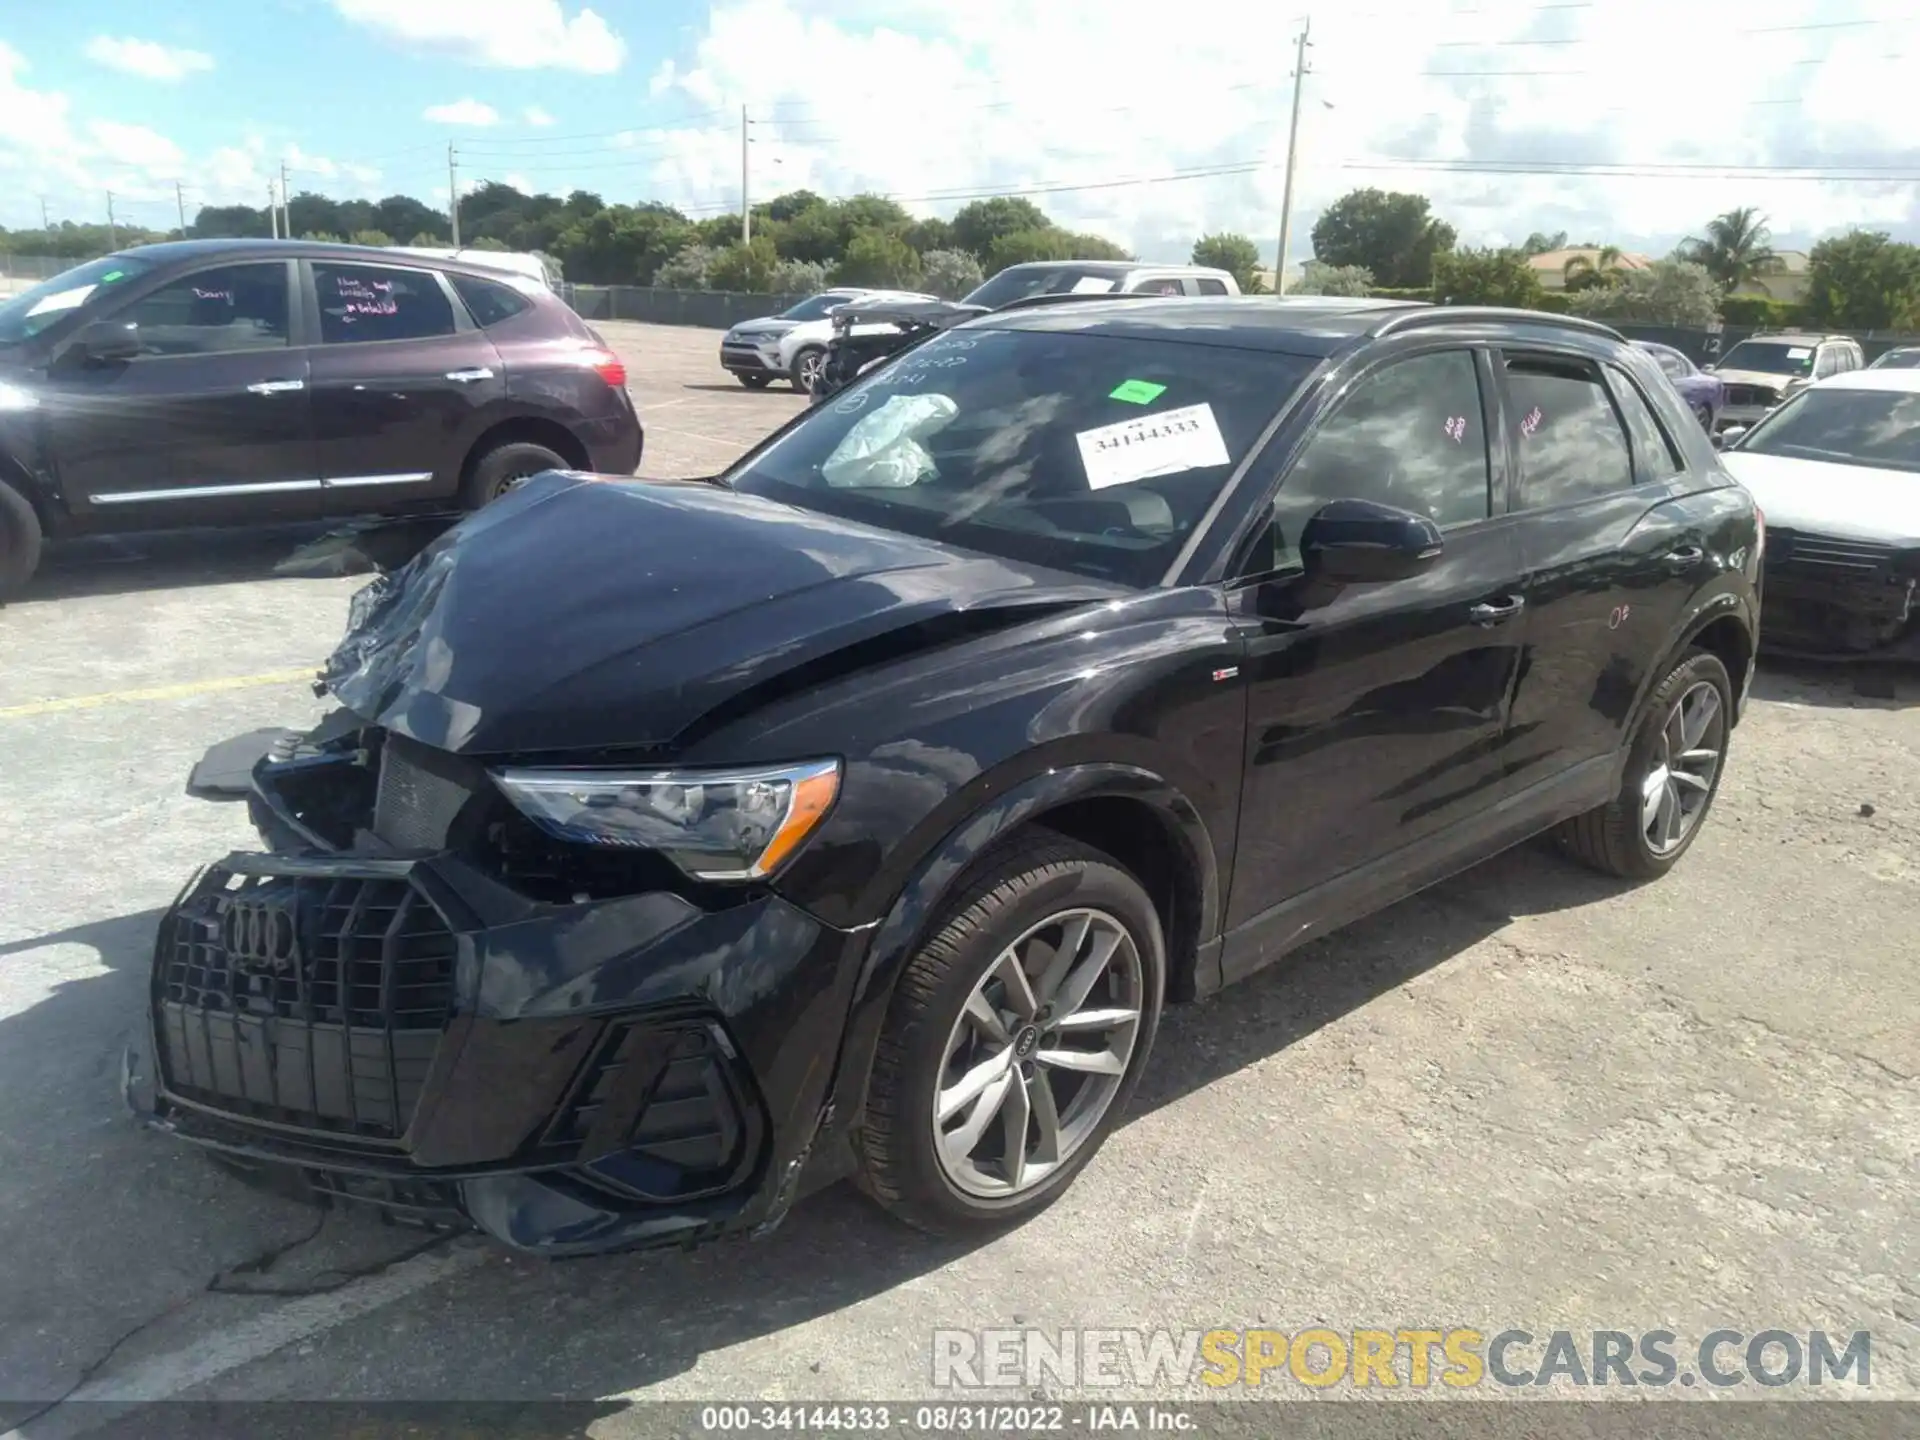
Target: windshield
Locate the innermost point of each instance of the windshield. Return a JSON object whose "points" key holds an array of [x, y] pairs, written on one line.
{"points": [[1098, 454], [1021, 281], [814, 307], [1769, 357], [1880, 428], [1898, 360], [25, 315]]}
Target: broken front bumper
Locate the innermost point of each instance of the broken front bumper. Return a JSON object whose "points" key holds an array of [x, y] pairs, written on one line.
{"points": [[414, 1034], [1839, 598]]}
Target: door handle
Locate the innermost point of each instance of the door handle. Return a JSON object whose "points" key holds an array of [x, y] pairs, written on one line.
{"points": [[467, 377], [1493, 612], [1685, 557], [275, 387]]}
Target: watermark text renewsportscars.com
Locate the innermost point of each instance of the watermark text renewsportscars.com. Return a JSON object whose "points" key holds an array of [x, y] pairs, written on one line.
{"points": [[1454, 1357]]}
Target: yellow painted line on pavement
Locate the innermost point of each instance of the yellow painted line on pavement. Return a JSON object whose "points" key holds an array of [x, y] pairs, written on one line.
{"points": [[184, 691]]}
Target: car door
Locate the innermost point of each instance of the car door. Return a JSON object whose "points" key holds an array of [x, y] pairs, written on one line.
{"points": [[1376, 713], [209, 422], [1608, 563], [402, 381]]}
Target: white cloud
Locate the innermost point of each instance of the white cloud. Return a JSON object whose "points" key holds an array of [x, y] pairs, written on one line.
{"points": [[146, 58], [505, 34], [928, 101], [462, 112], [534, 115]]}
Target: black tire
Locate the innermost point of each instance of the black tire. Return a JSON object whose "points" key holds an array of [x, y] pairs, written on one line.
{"points": [[496, 471], [1612, 838], [19, 540], [1036, 876], [806, 363], [753, 382]]}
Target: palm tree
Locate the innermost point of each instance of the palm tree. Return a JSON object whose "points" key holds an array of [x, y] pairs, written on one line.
{"points": [[1586, 272], [1735, 248]]}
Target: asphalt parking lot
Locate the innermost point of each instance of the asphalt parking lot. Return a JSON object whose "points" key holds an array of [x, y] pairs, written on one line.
{"points": [[1527, 1098]]}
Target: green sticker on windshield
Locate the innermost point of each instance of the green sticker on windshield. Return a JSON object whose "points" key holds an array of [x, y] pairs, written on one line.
{"points": [[111, 276], [1137, 392]]}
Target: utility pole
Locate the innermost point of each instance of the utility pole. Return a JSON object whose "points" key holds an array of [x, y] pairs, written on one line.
{"points": [[453, 193], [273, 210], [1293, 149], [46, 221], [180, 199], [746, 205], [286, 211], [113, 236]]}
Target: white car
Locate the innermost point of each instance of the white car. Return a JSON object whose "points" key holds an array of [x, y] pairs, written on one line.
{"points": [[1836, 472], [523, 263], [791, 345]]}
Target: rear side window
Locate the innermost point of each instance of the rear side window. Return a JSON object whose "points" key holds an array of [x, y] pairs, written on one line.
{"points": [[1654, 457], [1159, 285], [1211, 286], [214, 312], [1571, 443], [489, 303], [359, 303]]}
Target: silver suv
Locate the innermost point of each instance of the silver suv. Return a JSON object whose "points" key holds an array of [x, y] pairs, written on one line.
{"points": [[1099, 277], [1763, 370]]}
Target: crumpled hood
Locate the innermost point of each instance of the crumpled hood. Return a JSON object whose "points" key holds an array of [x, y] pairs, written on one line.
{"points": [[581, 614], [1763, 379], [1822, 497]]}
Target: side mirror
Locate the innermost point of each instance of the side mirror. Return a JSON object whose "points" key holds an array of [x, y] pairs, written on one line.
{"points": [[1359, 541], [107, 342], [1723, 440]]}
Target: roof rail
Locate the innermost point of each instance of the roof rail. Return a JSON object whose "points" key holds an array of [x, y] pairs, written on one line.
{"points": [[1413, 319]]}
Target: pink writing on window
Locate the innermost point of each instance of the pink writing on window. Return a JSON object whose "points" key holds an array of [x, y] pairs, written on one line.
{"points": [[200, 294], [1457, 428], [1532, 422]]}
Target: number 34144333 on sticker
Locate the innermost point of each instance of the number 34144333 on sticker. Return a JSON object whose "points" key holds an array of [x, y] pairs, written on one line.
{"points": [[1165, 444]]}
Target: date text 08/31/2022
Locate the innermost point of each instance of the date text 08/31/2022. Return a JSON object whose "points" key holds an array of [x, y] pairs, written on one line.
{"points": [[942, 1419]]}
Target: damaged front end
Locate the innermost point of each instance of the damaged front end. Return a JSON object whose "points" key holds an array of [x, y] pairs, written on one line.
{"points": [[1833, 598], [865, 336]]}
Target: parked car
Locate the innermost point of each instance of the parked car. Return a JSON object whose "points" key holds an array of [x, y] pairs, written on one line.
{"points": [[1901, 357], [229, 382], [792, 344], [1129, 648], [1099, 277], [520, 262], [1836, 469], [1704, 394], [1763, 370]]}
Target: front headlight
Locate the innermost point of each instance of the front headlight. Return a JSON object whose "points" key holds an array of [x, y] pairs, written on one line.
{"points": [[16, 397], [713, 824]]}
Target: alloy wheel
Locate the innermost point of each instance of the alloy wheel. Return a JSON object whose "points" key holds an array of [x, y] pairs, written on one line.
{"points": [[1686, 762], [810, 367], [1038, 1053]]}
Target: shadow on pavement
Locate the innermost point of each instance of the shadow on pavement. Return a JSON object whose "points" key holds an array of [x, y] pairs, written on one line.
{"points": [[162, 560], [1841, 684], [614, 1325]]}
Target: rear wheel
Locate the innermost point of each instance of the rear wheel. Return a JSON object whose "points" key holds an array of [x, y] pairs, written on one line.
{"points": [[19, 540], [506, 465], [1014, 1040], [806, 368], [1673, 772]]}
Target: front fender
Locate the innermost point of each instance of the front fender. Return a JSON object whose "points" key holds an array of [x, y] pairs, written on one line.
{"points": [[897, 936]]}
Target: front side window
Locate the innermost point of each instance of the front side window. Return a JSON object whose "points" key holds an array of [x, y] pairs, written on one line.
{"points": [[1880, 428], [1827, 364], [1410, 435], [1571, 443], [1089, 452], [373, 302], [212, 312]]}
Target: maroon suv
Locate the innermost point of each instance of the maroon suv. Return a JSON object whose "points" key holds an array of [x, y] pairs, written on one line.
{"points": [[229, 382]]}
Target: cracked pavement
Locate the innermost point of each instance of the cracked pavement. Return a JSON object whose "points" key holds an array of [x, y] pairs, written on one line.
{"points": [[1529, 1097]]}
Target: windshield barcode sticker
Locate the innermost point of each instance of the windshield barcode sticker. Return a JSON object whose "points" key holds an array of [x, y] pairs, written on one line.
{"points": [[1164, 444]]}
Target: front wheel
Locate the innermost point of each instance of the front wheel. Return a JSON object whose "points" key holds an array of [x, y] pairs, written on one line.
{"points": [[500, 469], [1014, 1040], [1678, 752], [19, 540], [806, 368]]}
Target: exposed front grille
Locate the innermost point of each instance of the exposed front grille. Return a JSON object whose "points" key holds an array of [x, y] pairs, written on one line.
{"points": [[1793, 551], [420, 793], [307, 1001], [1750, 395]]}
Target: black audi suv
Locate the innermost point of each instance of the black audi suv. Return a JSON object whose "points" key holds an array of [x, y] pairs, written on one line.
{"points": [[676, 848], [231, 382]]}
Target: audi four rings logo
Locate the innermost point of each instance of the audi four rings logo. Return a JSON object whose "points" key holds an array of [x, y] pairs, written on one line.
{"points": [[259, 935]]}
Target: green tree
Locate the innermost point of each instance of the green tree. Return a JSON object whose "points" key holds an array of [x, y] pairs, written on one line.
{"points": [[427, 240], [1392, 234], [1319, 278], [811, 233], [1605, 267], [235, 222], [719, 231], [1539, 242], [1734, 249], [879, 258], [1486, 277], [1667, 292], [982, 224], [621, 245], [931, 234], [785, 207], [745, 268], [1235, 254], [404, 215], [1049, 244], [950, 274], [687, 270], [1864, 281], [371, 237]]}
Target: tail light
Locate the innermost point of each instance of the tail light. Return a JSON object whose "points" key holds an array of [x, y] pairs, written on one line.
{"points": [[607, 365]]}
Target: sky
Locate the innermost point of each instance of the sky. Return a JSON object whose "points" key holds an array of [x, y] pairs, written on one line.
{"points": [[1629, 122]]}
